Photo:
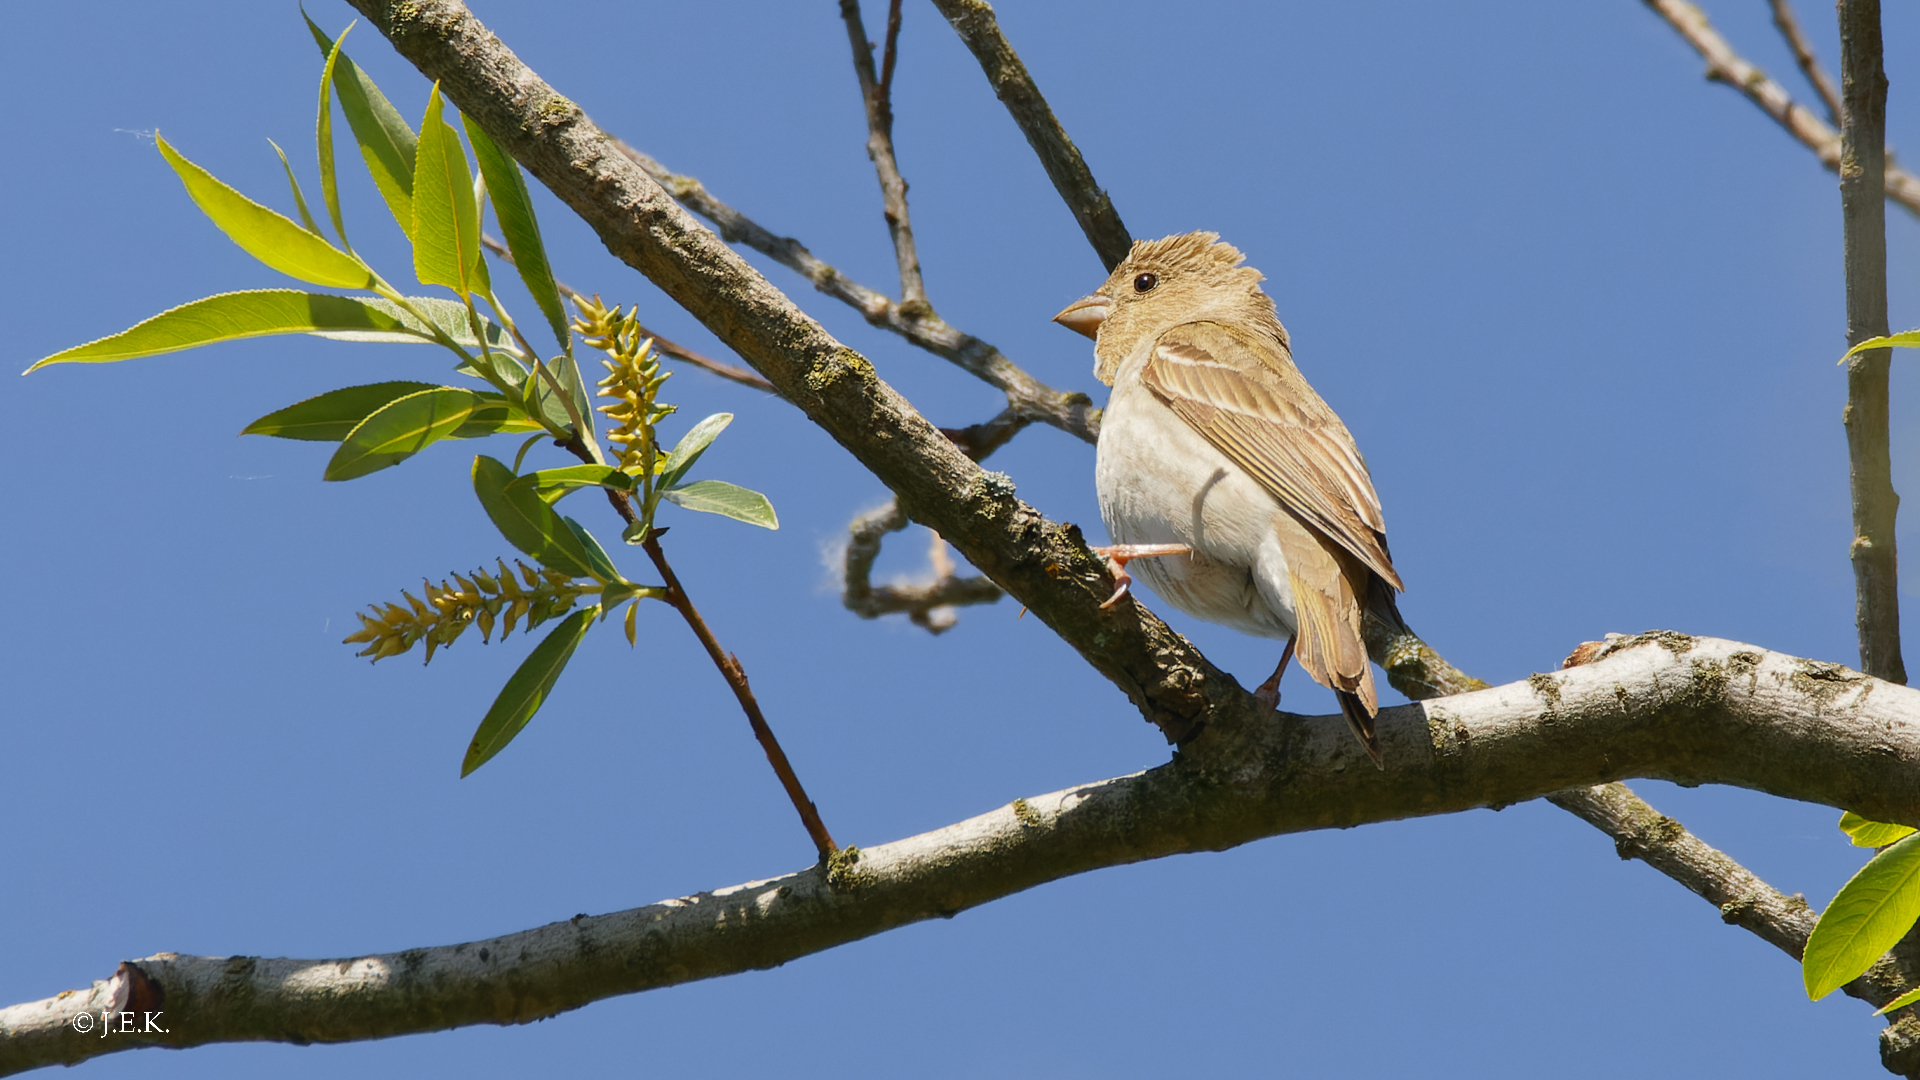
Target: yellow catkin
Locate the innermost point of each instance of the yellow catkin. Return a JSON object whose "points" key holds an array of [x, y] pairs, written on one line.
{"points": [[449, 609], [633, 382]]}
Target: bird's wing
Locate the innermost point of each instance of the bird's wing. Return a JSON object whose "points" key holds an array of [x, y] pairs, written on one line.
{"points": [[1243, 395]]}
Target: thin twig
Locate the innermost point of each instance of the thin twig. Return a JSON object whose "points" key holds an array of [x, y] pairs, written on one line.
{"points": [[1817, 77], [876, 96], [890, 52], [679, 352], [927, 604], [1071, 412], [1863, 139], [974, 21], [1725, 65], [736, 676]]}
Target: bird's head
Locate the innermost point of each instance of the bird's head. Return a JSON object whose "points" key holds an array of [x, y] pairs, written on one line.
{"points": [[1164, 283]]}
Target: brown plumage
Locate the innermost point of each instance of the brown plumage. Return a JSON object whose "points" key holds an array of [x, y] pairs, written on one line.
{"points": [[1213, 443]]}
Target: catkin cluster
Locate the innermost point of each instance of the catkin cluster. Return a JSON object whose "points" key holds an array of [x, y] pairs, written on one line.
{"points": [[449, 609], [633, 381]]}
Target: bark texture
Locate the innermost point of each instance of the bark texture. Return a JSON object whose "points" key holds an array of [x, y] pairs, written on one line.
{"points": [[1664, 705], [1863, 166]]}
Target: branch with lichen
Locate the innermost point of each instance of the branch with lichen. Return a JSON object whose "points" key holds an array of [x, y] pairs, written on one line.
{"points": [[1657, 705]]}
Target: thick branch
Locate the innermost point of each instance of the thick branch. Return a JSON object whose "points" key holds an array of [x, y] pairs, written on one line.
{"points": [[1725, 65], [973, 20], [1863, 138], [876, 94], [1659, 705]]}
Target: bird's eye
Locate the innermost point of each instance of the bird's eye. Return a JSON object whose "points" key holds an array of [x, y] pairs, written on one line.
{"points": [[1145, 283]]}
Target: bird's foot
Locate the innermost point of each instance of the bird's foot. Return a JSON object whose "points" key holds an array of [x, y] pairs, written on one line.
{"points": [[1118, 555], [1268, 693]]}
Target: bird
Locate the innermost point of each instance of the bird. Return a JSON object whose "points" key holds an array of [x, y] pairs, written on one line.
{"points": [[1240, 490]]}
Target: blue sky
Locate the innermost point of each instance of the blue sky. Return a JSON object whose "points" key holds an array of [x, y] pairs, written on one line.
{"points": [[1579, 307]]}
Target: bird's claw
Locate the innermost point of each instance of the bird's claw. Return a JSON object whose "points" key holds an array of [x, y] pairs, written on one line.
{"points": [[1118, 555]]}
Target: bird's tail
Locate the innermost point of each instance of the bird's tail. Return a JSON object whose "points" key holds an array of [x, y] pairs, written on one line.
{"points": [[1361, 721]]}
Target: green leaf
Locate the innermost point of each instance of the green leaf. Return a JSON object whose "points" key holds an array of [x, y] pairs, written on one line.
{"points": [[526, 520], [446, 223], [603, 568], [331, 416], [691, 446], [1872, 834], [401, 429], [237, 315], [323, 134], [299, 200], [543, 402], [450, 316], [386, 142], [527, 689], [1874, 910], [267, 235], [495, 415], [720, 497], [1900, 1002], [514, 209], [1908, 339], [551, 484], [569, 370]]}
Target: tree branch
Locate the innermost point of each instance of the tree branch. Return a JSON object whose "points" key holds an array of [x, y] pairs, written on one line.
{"points": [[1863, 140], [974, 21], [1661, 705], [1816, 76], [928, 604], [1071, 412], [876, 94], [1725, 65], [730, 372]]}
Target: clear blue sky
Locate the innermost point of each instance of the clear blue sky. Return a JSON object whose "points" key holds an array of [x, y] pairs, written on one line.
{"points": [[1579, 307]]}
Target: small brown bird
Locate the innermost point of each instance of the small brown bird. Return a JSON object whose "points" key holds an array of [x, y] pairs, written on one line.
{"points": [[1215, 453]]}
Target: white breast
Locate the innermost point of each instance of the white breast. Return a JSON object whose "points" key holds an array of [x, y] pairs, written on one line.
{"points": [[1161, 482]]}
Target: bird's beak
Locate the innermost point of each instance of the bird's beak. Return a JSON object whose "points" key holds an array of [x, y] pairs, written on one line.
{"points": [[1085, 315]]}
